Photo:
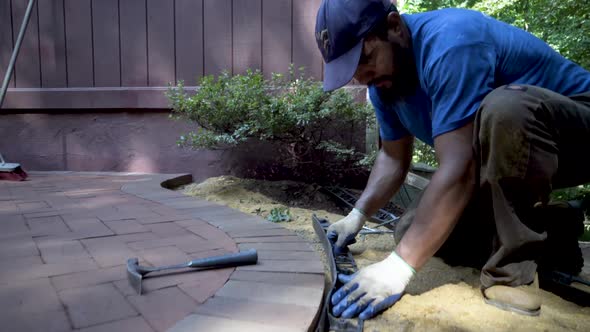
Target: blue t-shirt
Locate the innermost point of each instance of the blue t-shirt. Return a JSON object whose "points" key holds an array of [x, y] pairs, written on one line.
{"points": [[461, 56]]}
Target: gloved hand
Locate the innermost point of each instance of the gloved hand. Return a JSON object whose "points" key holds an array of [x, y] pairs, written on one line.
{"points": [[372, 289], [343, 231]]}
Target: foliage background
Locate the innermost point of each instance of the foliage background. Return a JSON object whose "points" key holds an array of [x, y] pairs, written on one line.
{"points": [[564, 24]]}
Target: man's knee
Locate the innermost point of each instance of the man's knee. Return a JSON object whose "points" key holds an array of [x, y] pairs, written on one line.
{"points": [[514, 103], [507, 106], [502, 121], [511, 119]]}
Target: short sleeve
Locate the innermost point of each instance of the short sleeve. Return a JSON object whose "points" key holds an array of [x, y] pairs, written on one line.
{"points": [[457, 82], [390, 126]]}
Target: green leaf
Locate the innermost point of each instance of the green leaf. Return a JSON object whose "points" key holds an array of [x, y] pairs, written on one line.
{"points": [[279, 214]]}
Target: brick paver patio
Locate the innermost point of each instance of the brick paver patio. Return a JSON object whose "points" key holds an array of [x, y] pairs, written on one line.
{"points": [[65, 239]]}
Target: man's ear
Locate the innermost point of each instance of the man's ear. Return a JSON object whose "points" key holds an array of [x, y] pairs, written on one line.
{"points": [[395, 30], [369, 44]]}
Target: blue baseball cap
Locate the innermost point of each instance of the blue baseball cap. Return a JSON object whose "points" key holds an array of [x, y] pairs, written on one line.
{"points": [[341, 27]]}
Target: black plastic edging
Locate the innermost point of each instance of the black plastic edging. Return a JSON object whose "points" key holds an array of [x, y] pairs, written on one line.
{"points": [[343, 263]]}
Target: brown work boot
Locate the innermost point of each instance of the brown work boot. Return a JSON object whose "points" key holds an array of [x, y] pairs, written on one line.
{"points": [[524, 300]]}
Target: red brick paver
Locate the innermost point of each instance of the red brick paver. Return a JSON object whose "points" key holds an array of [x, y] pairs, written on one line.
{"points": [[94, 305], [164, 307], [65, 238], [135, 324]]}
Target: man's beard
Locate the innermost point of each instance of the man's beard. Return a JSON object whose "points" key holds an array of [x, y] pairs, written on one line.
{"points": [[405, 80]]}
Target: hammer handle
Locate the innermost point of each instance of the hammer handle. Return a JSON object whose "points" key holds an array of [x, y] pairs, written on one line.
{"points": [[247, 257]]}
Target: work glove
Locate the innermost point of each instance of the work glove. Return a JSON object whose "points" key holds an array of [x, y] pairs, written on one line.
{"points": [[372, 289], [343, 232]]}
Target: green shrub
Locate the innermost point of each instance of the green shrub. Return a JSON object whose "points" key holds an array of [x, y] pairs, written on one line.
{"points": [[317, 131], [586, 235], [279, 214], [424, 153], [578, 193]]}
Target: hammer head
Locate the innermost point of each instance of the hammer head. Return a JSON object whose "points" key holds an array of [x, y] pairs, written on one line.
{"points": [[133, 275]]}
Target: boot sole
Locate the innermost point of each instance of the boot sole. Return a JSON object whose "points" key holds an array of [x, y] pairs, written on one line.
{"points": [[508, 307]]}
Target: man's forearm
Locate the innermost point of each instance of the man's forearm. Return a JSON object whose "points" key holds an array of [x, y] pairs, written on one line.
{"points": [[441, 205], [386, 178]]}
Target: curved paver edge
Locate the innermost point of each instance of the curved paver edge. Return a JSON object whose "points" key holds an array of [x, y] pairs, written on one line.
{"points": [[301, 301], [158, 189]]}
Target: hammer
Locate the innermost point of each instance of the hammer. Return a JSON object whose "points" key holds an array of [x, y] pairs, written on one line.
{"points": [[135, 272]]}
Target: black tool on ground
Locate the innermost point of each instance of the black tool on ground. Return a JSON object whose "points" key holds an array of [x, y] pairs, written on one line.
{"points": [[569, 287], [135, 272], [343, 264], [560, 256], [563, 222], [382, 217]]}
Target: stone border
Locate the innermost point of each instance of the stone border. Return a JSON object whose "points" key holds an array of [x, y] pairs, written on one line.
{"points": [[284, 291]]}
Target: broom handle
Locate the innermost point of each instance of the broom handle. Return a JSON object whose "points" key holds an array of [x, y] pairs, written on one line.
{"points": [[19, 40]]}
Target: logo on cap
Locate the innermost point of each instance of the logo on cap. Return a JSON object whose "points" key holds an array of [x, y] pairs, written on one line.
{"points": [[324, 40]]}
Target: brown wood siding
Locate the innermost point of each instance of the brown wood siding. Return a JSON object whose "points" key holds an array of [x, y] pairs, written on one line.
{"points": [[160, 44], [5, 38], [247, 39], [189, 41], [217, 24], [105, 34], [27, 69], [304, 36], [276, 39], [79, 53], [134, 68], [52, 44]]}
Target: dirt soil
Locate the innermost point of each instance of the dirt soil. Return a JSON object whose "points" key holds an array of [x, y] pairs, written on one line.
{"points": [[439, 298]]}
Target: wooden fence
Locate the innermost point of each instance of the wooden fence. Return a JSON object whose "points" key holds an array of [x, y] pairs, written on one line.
{"points": [[123, 53]]}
